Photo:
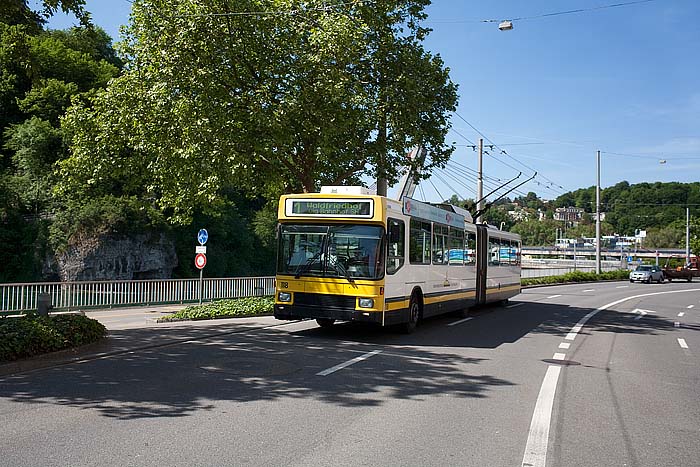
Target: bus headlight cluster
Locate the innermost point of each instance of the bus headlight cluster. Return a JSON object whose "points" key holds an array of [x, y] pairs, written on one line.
{"points": [[366, 303], [284, 297]]}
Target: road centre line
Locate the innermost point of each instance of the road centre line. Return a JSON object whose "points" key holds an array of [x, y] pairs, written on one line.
{"points": [[589, 290], [333, 369], [690, 306], [682, 343], [515, 304], [564, 345], [681, 314], [554, 296], [538, 436], [460, 321], [622, 286]]}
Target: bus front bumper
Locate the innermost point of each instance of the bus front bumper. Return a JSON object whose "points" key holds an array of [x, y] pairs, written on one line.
{"points": [[293, 312]]}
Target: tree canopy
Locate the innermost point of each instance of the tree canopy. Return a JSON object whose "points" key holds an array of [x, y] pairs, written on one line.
{"points": [[297, 95]]}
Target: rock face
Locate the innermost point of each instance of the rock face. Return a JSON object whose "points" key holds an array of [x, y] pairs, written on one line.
{"points": [[112, 257]]}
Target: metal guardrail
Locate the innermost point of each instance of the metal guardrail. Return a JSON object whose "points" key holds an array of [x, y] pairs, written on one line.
{"points": [[107, 294], [567, 263], [530, 273]]}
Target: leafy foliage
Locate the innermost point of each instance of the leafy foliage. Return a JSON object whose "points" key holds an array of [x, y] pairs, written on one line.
{"points": [[107, 214], [33, 335], [250, 306], [292, 102]]}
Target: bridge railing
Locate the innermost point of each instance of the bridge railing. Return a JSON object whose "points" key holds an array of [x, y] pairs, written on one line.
{"points": [[107, 294]]}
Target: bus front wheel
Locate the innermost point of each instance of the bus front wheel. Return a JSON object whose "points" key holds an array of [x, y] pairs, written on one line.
{"points": [[413, 315], [325, 322]]}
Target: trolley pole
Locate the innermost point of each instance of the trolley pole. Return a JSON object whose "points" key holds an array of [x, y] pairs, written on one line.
{"points": [[480, 181], [597, 219]]}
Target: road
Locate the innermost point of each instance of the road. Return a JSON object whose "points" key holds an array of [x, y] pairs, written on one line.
{"points": [[594, 374]]}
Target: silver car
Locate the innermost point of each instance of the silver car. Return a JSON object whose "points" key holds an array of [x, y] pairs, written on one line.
{"points": [[646, 273]]}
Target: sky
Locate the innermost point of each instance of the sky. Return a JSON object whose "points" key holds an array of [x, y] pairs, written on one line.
{"points": [[554, 90]]}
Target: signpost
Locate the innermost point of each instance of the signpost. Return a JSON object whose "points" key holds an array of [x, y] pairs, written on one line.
{"points": [[201, 259]]}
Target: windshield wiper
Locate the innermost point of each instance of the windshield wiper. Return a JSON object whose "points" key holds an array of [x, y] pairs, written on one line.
{"points": [[305, 267]]}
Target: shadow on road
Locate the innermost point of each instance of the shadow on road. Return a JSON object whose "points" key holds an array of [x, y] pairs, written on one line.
{"points": [[271, 364]]}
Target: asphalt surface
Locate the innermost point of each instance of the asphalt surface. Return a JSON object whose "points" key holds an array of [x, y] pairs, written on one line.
{"points": [[480, 392]]}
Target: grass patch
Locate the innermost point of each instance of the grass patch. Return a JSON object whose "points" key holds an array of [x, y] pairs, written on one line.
{"points": [[232, 308], [31, 335], [577, 276]]}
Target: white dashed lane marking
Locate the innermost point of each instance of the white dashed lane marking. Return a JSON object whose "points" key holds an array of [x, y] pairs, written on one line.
{"points": [[348, 363], [564, 345], [690, 306], [681, 314], [554, 296], [460, 321], [682, 343], [514, 305]]}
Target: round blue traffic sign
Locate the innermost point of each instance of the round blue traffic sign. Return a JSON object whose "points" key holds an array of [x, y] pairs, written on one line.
{"points": [[202, 236]]}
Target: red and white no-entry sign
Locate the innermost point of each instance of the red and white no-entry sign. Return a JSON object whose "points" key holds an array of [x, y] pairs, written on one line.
{"points": [[200, 261]]}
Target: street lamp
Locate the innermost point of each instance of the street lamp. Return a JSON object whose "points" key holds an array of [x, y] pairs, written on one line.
{"points": [[597, 219]]}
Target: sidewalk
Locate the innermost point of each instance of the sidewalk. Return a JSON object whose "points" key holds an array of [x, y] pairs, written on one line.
{"points": [[139, 331]]}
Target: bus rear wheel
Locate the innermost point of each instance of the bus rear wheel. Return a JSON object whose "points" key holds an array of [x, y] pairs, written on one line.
{"points": [[325, 322]]}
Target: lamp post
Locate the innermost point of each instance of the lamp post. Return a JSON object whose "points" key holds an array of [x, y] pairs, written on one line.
{"points": [[597, 219], [687, 235]]}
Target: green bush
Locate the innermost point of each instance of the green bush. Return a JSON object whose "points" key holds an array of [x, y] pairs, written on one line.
{"points": [[33, 335], [250, 306], [577, 276]]}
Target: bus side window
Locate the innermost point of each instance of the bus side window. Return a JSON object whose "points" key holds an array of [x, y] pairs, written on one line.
{"points": [[470, 248], [419, 242], [396, 253], [456, 247], [440, 250], [494, 251]]}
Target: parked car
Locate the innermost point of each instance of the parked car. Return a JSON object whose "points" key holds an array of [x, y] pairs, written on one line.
{"points": [[646, 273]]}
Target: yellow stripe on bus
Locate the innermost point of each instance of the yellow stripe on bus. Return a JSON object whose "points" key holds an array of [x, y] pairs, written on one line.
{"points": [[450, 296]]}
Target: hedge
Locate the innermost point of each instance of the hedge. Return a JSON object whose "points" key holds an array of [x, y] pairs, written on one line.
{"points": [[250, 306], [31, 335]]}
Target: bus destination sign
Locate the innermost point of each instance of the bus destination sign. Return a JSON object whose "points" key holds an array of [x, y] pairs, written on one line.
{"points": [[330, 207]]}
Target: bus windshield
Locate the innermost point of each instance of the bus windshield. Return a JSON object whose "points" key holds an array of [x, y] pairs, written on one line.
{"points": [[332, 250]]}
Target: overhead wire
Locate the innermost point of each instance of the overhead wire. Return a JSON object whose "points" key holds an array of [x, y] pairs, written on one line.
{"points": [[502, 151], [544, 15]]}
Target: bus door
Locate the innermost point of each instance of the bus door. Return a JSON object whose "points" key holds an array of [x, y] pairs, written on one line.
{"points": [[482, 262]]}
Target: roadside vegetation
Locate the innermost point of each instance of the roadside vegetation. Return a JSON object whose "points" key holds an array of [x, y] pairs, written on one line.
{"points": [[233, 308], [31, 335], [577, 276]]}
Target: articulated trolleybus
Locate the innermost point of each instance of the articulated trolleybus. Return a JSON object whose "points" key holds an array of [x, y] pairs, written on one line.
{"points": [[345, 254]]}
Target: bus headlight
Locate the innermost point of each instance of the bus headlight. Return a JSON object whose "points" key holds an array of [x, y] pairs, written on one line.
{"points": [[284, 297], [366, 303]]}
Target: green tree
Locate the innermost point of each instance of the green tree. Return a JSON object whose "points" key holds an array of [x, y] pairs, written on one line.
{"points": [[664, 238], [537, 233], [695, 236], [271, 102]]}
